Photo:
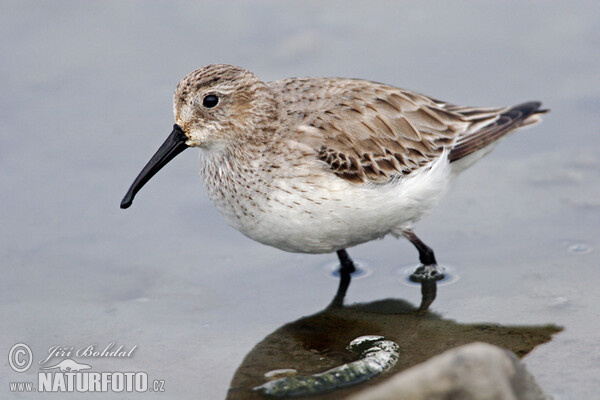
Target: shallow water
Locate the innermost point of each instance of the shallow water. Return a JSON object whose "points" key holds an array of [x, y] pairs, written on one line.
{"points": [[86, 100]]}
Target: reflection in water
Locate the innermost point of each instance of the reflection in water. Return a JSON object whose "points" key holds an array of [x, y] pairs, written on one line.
{"points": [[376, 355], [428, 286], [318, 342]]}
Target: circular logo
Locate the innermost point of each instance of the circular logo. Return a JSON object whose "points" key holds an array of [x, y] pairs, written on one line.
{"points": [[20, 357]]}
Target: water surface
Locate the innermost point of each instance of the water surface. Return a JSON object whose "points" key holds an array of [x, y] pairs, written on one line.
{"points": [[86, 100]]}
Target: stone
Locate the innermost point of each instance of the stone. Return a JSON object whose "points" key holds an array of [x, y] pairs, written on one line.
{"points": [[478, 371]]}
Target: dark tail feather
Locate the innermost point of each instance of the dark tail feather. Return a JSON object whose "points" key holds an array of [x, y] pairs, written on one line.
{"points": [[507, 122]]}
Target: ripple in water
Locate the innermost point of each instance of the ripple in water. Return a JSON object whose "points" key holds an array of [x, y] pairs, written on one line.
{"points": [[579, 248], [449, 278], [362, 270]]}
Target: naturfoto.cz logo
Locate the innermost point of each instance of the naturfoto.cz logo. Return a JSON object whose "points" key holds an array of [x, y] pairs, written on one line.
{"points": [[68, 375]]}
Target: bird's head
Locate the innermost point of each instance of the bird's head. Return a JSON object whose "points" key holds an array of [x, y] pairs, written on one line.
{"points": [[215, 106]]}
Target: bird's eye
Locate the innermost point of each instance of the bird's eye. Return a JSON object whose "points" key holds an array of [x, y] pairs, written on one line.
{"points": [[210, 101]]}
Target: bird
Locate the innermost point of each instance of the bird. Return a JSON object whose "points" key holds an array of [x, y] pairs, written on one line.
{"points": [[318, 165]]}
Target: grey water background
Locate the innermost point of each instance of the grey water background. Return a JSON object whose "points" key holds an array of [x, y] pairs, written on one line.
{"points": [[86, 100]]}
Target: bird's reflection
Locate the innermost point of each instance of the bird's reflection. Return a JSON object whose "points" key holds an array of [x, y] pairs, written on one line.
{"points": [[318, 342], [428, 288]]}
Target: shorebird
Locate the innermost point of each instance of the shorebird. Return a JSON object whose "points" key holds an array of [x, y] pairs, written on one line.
{"points": [[318, 165]]}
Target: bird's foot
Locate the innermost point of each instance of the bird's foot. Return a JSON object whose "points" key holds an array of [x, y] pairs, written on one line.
{"points": [[431, 273], [427, 275]]}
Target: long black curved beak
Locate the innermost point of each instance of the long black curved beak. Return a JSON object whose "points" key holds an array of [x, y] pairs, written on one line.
{"points": [[174, 145]]}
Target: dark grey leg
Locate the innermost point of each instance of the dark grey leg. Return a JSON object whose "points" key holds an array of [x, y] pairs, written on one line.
{"points": [[428, 273], [346, 269], [346, 264]]}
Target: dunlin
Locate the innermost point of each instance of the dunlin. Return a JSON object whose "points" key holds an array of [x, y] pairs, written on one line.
{"points": [[317, 165]]}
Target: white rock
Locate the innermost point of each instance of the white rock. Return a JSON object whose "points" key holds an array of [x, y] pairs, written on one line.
{"points": [[475, 371]]}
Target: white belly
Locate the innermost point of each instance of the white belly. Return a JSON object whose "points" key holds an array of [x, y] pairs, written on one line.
{"points": [[330, 214]]}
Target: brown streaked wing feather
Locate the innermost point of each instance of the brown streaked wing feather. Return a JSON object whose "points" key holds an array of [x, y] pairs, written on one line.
{"points": [[373, 132]]}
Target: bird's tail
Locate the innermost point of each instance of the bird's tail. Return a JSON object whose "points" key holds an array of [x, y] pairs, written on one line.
{"points": [[506, 122]]}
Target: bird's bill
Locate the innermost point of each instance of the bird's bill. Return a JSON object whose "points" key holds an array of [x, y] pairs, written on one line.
{"points": [[174, 145]]}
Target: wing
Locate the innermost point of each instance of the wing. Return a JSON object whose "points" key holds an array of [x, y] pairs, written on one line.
{"points": [[370, 132]]}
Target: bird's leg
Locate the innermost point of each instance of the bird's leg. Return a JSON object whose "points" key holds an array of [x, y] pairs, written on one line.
{"points": [[346, 269], [428, 273]]}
